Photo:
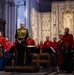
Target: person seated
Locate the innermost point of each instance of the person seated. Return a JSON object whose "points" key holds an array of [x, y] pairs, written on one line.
{"points": [[31, 47], [8, 44], [2, 44], [14, 43], [41, 50], [13, 51], [55, 44], [47, 45], [2, 40], [41, 47], [8, 55], [60, 37], [30, 41]]}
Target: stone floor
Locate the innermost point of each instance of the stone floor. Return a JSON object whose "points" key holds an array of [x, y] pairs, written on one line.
{"points": [[42, 73]]}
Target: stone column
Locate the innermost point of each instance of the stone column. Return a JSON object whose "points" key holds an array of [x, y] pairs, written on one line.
{"points": [[10, 17], [27, 14]]}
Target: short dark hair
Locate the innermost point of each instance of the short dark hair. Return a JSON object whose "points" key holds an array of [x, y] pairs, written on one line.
{"points": [[1, 32], [67, 28]]}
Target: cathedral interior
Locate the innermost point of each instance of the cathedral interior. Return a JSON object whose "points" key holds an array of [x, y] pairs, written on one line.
{"points": [[41, 17]]}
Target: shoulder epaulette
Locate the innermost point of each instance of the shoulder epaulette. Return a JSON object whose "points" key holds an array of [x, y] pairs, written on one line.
{"points": [[18, 28], [26, 29]]}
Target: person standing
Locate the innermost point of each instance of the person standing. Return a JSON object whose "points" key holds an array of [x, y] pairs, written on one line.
{"points": [[67, 40], [21, 36], [73, 53]]}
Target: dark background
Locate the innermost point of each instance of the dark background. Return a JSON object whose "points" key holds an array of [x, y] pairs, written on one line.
{"points": [[45, 5]]}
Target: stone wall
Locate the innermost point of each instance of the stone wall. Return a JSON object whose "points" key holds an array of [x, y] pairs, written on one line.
{"points": [[52, 23]]}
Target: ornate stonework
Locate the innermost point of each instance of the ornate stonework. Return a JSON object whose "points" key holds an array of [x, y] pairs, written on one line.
{"points": [[34, 24], [40, 24], [45, 25], [53, 23], [64, 16]]}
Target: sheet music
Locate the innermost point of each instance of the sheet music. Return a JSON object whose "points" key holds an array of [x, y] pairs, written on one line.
{"points": [[31, 46], [53, 49]]}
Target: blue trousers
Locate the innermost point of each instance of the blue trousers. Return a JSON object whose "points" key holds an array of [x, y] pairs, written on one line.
{"points": [[2, 60], [8, 59]]}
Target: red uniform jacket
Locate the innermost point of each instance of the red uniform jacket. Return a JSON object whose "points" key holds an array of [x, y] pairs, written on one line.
{"points": [[67, 39], [59, 43], [14, 44], [2, 41], [73, 44], [55, 45], [30, 42], [41, 46], [8, 46], [47, 44]]}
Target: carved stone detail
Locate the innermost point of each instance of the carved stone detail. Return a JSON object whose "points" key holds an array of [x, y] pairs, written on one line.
{"points": [[40, 24], [53, 23], [64, 17]]}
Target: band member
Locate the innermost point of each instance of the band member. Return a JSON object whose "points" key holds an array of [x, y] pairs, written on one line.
{"points": [[67, 39], [14, 43], [59, 41], [41, 45], [73, 44], [21, 36], [13, 51], [73, 53], [2, 56], [55, 56], [31, 47], [55, 44], [30, 41], [47, 43], [8, 55], [59, 56], [41, 49], [8, 44]]}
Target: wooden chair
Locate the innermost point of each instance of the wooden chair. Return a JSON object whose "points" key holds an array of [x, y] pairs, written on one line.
{"points": [[38, 60]]}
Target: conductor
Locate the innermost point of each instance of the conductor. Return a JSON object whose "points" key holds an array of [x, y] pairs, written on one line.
{"points": [[21, 36]]}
